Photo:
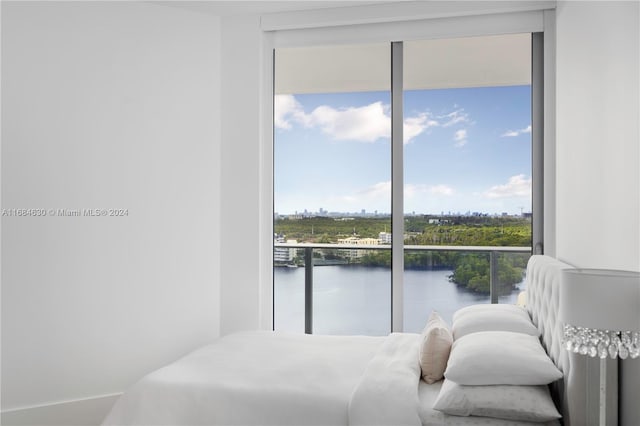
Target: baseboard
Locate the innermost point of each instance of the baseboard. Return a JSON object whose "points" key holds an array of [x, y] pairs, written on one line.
{"points": [[80, 412]]}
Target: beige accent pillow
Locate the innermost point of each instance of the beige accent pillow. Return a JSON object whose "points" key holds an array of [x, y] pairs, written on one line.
{"points": [[522, 299], [435, 346]]}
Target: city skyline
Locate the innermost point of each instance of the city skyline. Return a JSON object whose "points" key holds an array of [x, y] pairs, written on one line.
{"points": [[320, 212], [465, 150]]}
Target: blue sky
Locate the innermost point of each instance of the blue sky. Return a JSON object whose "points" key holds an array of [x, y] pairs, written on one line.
{"points": [[465, 150]]}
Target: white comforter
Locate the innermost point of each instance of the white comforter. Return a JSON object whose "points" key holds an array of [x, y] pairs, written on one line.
{"points": [[266, 378]]}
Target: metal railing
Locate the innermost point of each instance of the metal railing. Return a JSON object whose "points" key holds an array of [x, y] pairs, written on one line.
{"points": [[493, 251]]}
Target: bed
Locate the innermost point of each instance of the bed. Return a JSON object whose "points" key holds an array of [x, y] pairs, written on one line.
{"points": [[271, 378]]}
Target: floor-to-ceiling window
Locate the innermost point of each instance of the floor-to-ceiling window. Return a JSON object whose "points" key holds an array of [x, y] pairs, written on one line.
{"points": [[467, 172], [463, 225], [332, 178]]}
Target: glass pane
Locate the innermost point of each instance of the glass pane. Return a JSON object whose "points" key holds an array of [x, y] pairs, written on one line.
{"points": [[428, 286], [352, 298], [332, 168], [467, 170], [512, 269]]}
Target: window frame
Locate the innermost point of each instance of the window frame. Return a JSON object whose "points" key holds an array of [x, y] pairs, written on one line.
{"points": [[540, 23]]}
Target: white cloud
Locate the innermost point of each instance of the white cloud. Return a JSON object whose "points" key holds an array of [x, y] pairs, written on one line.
{"points": [[412, 190], [365, 124], [454, 117], [441, 190], [376, 194], [460, 137], [286, 108], [380, 189], [362, 124], [514, 133], [413, 126], [517, 186]]}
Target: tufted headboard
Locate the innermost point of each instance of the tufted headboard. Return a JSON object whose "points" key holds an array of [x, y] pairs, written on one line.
{"points": [[543, 299]]}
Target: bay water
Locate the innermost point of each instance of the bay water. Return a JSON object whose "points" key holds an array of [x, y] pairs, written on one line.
{"points": [[350, 299]]}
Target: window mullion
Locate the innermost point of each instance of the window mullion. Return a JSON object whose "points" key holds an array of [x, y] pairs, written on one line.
{"points": [[397, 188], [537, 142]]}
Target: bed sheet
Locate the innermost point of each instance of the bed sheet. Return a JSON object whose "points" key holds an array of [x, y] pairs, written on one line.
{"points": [[212, 384]]}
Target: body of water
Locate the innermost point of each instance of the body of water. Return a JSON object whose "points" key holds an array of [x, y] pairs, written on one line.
{"points": [[351, 299]]}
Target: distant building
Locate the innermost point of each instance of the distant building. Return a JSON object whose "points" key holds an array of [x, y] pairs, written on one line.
{"points": [[384, 237], [357, 253], [438, 221], [283, 255]]}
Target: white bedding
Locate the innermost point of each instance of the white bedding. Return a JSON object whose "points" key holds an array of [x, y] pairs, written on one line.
{"points": [[387, 393], [252, 378], [269, 378]]}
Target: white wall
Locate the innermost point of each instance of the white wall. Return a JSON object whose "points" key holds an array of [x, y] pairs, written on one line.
{"points": [[241, 96], [598, 128], [106, 105], [598, 147]]}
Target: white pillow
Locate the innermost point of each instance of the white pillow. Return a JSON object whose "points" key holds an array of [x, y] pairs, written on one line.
{"points": [[435, 345], [491, 307], [493, 320], [524, 403], [500, 358]]}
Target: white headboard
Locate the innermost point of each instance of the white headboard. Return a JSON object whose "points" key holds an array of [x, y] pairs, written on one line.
{"points": [[543, 299]]}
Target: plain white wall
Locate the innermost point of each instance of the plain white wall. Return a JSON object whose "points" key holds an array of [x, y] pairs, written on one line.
{"points": [[107, 105], [241, 95], [598, 147], [598, 129]]}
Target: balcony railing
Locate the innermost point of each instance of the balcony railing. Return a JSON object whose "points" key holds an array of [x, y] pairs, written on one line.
{"points": [[493, 251]]}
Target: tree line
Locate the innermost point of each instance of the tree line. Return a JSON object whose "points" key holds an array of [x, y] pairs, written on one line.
{"points": [[470, 269], [423, 230]]}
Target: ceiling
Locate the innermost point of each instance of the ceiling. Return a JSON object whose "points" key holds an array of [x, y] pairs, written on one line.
{"points": [[441, 63], [503, 60], [242, 7]]}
